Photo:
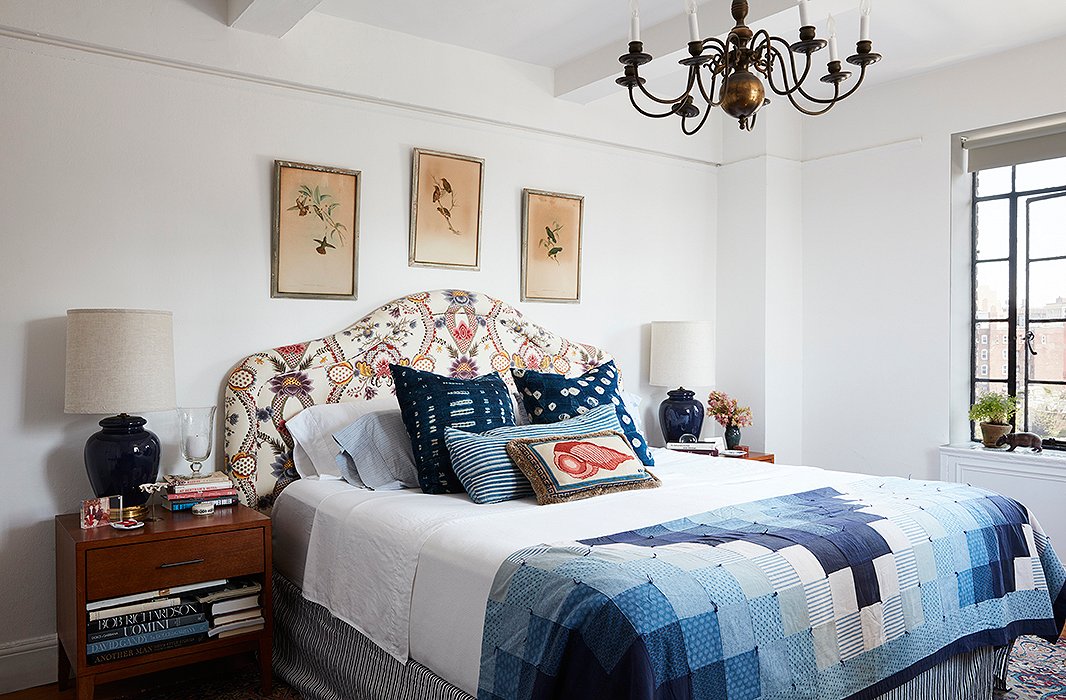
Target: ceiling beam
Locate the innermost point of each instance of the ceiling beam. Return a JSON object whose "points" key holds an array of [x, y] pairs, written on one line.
{"points": [[592, 76], [271, 17]]}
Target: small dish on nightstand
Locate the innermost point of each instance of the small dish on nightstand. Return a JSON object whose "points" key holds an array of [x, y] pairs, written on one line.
{"points": [[733, 453], [127, 524]]}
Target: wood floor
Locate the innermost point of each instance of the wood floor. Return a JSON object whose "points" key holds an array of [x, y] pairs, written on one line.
{"points": [[208, 669]]}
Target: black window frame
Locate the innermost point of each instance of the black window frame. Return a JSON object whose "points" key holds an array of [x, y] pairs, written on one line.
{"points": [[1014, 342]]}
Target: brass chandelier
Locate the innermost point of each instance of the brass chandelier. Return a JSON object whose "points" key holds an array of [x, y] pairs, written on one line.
{"points": [[733, 66]]}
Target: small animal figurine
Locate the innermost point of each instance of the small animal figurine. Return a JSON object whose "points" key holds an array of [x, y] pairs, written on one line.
{"points": [[1021, 440]]}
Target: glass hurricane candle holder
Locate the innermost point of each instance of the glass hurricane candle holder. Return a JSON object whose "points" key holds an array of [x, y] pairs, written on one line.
{"points": [[197, 434]]}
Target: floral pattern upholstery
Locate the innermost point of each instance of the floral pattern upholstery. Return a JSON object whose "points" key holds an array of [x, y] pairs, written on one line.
{"points": [[451, 332]]}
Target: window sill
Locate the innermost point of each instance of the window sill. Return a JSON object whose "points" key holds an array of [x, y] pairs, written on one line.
{"points": [[1022, 455]]}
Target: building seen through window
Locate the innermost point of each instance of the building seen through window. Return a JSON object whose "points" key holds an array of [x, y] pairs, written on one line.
{"points": [[1019, 301]]}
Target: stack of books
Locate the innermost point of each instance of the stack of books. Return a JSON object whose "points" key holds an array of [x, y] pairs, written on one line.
{"points": [[184, 492], [142, 623], [234, 609]]}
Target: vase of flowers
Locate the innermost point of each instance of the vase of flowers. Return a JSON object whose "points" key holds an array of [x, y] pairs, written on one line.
{"points": [[728, 414]]}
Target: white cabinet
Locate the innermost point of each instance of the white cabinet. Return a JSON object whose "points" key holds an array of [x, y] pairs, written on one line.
{"points": [[1038, 481]]}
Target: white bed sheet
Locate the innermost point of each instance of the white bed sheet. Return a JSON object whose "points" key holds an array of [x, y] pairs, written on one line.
{"points": [[412, 571]]}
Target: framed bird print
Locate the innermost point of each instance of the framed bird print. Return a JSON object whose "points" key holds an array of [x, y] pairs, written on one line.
{"points": [[445, 210], [551, 246], [315, 238]]}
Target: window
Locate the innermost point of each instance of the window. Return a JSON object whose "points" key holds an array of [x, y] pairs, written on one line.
{"points": [[1019, 291]]}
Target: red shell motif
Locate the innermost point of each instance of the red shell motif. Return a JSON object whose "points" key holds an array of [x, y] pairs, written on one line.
{"points": [[582, 460]]}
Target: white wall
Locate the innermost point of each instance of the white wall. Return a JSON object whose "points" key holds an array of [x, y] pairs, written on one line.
{"points": [[877, 262], [760, 291], [133, 184]]}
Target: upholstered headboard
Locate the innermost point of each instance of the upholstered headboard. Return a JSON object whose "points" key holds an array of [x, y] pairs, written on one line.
{"points": [[448, 331]]}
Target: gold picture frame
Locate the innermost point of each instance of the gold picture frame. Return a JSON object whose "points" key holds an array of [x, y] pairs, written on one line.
{"points": [[445, 212], [551, 246], [314, 243]]}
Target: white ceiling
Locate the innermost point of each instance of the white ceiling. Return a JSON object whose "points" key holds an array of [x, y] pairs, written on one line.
{"points": [[569, 35]]}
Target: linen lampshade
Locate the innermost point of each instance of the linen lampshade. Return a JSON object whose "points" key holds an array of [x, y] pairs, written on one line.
{"points": [[119, 361], [682, 352]]}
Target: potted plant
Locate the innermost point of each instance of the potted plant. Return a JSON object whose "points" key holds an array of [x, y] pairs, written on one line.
{"points": [[992, 412], [729, 415]]}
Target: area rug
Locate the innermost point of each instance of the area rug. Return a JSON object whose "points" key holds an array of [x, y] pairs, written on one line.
{"points": [[241, 684], [1037, 670]]}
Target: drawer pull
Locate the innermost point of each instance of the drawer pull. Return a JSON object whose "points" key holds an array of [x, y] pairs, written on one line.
{"points": [[181, 563]]}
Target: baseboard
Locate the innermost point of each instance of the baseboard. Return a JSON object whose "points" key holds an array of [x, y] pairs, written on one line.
{"points": [[27, 663]]}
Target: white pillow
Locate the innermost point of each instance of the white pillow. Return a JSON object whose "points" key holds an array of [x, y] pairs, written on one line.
{"points": [[315, 452], [380, 451]]}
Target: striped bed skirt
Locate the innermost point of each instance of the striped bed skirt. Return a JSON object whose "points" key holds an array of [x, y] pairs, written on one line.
{"points": [[324, 658]]}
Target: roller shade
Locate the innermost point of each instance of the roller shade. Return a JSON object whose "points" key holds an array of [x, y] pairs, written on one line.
{"points": [[1003, 146]]}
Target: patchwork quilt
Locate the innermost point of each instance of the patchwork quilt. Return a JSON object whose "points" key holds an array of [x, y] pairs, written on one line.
{"points": [[819, 594]]}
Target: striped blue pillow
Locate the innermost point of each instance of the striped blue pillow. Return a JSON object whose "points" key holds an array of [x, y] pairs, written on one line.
{"points": [[485, 470]]}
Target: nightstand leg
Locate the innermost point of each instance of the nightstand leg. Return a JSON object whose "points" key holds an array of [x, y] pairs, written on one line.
{"points": [[63, 676], [85, 688], [266, 674]]}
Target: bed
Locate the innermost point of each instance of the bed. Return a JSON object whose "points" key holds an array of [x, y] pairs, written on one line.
{"points": [[401, 594]]}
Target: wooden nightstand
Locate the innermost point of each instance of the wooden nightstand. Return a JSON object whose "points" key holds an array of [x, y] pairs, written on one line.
{"points": [[759, 457], [179, 549]]}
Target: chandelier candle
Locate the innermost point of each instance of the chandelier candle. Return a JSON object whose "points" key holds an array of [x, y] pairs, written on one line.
{"points": [[736, 73], [693, 21], [634, 21]]}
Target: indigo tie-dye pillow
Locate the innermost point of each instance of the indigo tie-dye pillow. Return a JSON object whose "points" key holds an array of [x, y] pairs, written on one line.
{"points": [[550, 398], [429, 403]]}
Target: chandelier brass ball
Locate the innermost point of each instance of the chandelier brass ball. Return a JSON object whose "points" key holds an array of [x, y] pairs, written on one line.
{"points": [[742, 94]]}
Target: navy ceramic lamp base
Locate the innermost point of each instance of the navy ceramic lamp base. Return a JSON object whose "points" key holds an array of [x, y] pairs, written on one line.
{"points": [[120, 458], [680, 414]]}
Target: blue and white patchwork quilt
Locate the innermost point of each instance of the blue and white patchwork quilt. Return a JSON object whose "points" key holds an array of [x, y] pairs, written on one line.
{"points": [[819, 594]]}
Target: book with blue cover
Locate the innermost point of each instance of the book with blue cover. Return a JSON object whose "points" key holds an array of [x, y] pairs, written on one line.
{"points": [[147, 638], [139, 628]]}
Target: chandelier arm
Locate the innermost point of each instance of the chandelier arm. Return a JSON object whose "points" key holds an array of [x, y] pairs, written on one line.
{"points": [[788, 69], [703, 120], [708, 95], [837, 96], [815, 113], [683, 95], [715, 44], [633, 99]]}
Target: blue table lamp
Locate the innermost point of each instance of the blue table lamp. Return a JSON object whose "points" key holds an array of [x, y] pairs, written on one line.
{"points": [[682, 352], [120, 361]]}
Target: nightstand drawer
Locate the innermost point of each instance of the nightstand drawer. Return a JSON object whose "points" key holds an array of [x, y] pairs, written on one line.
{"points": [[135, 568]]}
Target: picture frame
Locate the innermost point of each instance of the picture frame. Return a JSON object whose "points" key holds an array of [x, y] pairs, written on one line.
{"points": [[445, 211], [314, 245], [96, 512], [552, 231]]}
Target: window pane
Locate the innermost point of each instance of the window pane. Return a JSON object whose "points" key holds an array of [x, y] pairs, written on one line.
{"points": [[993, 229], [1041, 174], [1047, 410], [1047, 227], [1049, 362], [991, 341], [992, 289], [1047, 288], [994, 181]]}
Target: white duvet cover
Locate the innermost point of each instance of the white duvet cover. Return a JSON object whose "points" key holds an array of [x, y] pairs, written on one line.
{"points": [[412, 571]]}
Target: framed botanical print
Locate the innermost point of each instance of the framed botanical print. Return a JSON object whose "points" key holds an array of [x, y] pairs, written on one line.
{"points": [[315, 240], [446, 210], [551, 246]]}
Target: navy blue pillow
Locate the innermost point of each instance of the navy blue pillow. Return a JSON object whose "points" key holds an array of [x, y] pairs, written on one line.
{"points": [[550, 398], [429, 403]]}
